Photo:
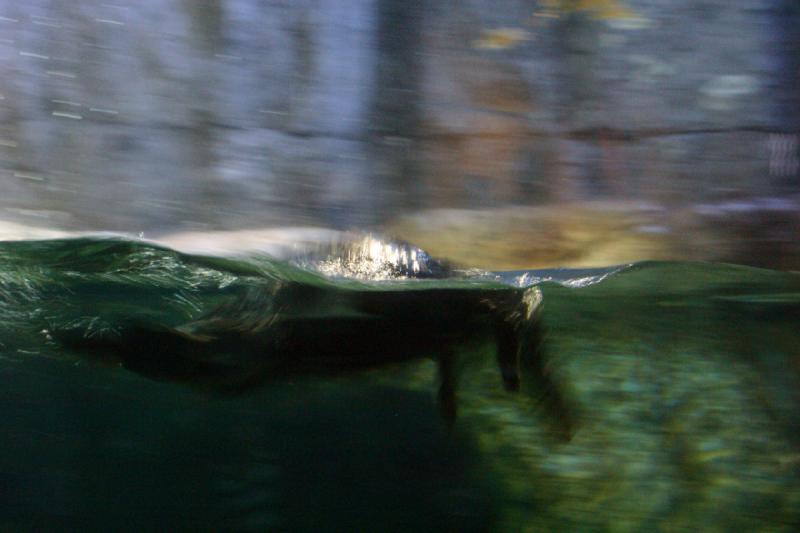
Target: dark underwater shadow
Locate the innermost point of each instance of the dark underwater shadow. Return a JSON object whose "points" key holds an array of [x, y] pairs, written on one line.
{"points": [[91, 448]]}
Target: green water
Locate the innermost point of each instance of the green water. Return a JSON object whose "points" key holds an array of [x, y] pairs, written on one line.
{"points": [[682, 379]]}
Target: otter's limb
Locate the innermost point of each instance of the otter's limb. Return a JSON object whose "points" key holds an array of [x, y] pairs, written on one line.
{"points": [[538, 383], [446, 394], [508, 348]]}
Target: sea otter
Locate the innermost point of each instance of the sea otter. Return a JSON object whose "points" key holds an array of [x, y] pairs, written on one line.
{"points": [[292, 329]]}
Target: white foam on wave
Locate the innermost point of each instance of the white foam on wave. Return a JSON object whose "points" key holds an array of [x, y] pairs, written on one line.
{"points": [[282, 243], [566, 278], [13, 231]]}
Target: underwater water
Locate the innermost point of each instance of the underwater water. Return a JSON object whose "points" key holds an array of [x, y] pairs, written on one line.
{"points": [[681, 381]]}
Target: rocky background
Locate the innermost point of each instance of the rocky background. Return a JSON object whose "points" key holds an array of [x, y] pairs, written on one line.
{"points": [[527, 133]]}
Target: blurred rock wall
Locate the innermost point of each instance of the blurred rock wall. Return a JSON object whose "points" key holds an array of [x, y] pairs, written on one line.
{"points": [[164, 114], [587, 98]]}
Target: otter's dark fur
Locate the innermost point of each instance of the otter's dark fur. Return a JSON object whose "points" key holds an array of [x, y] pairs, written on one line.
{"points": [[295, 329]]}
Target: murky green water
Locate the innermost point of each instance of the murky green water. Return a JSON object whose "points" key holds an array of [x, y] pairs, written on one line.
{"points": [[682, 380]]}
